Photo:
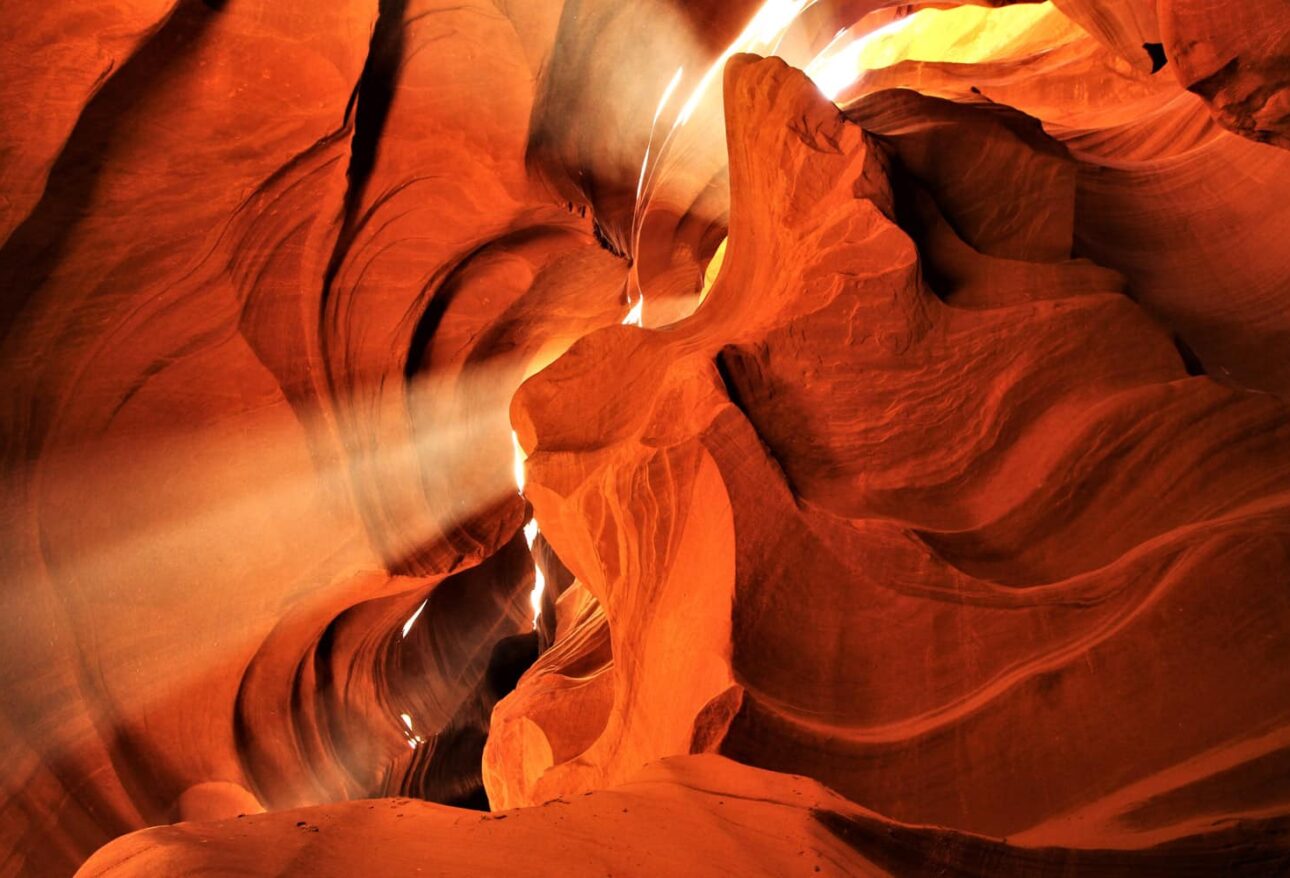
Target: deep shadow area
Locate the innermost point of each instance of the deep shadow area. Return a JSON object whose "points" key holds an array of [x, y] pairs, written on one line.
{"points": [[1157, 53], [447, 768]]}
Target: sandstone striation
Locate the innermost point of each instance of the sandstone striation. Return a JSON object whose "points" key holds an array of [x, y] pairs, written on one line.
{"points": [[417, 409], [963, 577]]}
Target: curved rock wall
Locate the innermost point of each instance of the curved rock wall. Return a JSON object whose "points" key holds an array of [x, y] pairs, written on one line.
{"points": [[945, 527]]}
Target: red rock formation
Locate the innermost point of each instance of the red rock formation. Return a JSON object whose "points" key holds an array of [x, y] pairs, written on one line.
{"points": [[235, 458], [691, 816], [1207, 265], [964, 491], [53, 64], [1234, 56], [963, 576]]}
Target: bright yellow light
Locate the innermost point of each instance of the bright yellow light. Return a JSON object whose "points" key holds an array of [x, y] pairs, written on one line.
{"points": [[963, 34], [842, 61], [713, 269]]}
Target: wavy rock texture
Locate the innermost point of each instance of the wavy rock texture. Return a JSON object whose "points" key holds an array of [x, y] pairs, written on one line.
{"points": [[947, 531], [1190, 213], [966, 570], [1126, 26], [233, 451]]}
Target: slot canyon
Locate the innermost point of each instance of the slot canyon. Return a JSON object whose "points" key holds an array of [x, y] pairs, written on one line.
{"points": [[645, 438]]}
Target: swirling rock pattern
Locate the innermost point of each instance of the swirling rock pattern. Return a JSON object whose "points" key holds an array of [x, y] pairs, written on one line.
{"points": [[1208, 267], [910, 565], [946, 531], [233, 449]]}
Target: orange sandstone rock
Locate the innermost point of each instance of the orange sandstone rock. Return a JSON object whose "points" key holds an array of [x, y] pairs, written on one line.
{"points": [[887, 522]]}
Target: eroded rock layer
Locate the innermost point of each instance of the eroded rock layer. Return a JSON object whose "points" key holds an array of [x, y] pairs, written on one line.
{"points": [[492, 404], [879, 531], [684, 816]]}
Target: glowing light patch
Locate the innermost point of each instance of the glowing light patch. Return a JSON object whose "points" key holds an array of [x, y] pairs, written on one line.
{"points": [[839, 64], [633, 317], [535, 596], [662, 102], [519, 462], [413, 738], [761, 35], [530, 534], [667, 93], [407, 626], [539, 581], [713, 270]]}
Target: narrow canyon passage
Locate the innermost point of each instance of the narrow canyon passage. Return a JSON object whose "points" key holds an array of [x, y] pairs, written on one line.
{"points": [[585, 437]]}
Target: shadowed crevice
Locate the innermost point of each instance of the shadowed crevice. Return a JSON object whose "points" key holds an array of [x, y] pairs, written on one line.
{"points": [[368, 113], [1191, 362], [373, 97], [1156, 51], [738, 368]]}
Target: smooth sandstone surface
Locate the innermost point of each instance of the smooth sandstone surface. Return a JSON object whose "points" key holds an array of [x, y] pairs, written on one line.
{"points": [[944, 529], [690, 815]]}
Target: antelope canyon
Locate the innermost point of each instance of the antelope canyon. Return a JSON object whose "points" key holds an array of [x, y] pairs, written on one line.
{"points": [[645, 438]]}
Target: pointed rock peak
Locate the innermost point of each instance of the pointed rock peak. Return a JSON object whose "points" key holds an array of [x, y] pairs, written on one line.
{"points": [[793, 154]]}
